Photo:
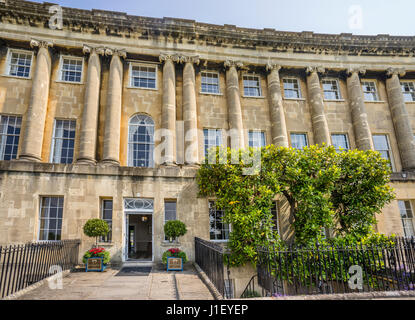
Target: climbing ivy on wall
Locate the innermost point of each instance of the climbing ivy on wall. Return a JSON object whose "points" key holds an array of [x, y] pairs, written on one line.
{"points": [[325, 189]]}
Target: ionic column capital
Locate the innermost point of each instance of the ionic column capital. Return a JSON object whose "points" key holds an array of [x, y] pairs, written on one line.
{"points": [[116, 52], [40, 43], [272, 66], [173, 57], [313, 69], [233, 63], [98, 50], [395, 71], [359, 70], [190, 59]]}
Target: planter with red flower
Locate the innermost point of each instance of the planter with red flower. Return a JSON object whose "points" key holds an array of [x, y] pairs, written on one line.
{"points": [[174, 258], [96, 259]]}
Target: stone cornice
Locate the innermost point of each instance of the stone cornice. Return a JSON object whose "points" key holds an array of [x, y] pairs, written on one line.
{"points": [[122, 25]]}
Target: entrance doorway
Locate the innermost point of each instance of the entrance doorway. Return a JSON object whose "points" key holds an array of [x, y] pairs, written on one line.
{"points": [[140, 237], [138, 229]]}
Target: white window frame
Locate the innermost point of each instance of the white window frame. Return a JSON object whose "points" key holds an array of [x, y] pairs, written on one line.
{"points": [[201, 82], [341, 134], [130, 158], [112, 217], [340, 98], [2, 147], [413, 83], [62, 57], [252, 75], [407, 219], [205, 152], [146, 65], [8, 62], [300, 133], [300, 95], [260, 132], [52, 149], [390, 148], [40, 216], [230, 226], [277, 209], [363, 81], [164, 215]]}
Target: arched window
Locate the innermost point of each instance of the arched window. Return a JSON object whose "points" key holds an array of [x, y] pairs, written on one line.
{"points": [[141, 141]]}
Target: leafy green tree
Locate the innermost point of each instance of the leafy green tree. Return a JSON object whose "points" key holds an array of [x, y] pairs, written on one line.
{"points": [[174, 229], [316, 182], [96, 228], [361, 192]]}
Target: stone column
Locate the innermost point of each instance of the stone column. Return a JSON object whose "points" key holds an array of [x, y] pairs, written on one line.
{"points": [[318, 117], [113, 108], [89, 125], [191, 149], [361, 128], [32, 141], [276, 107], [236, 129], [168, 110], [400, 118]]}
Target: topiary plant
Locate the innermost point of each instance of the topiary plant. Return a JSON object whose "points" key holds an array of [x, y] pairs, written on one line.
{"points": [[174, 229], [95, 228]]}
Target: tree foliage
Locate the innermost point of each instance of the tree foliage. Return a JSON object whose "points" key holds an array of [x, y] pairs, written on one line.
{"points": [[324, 188], [174, 229]]}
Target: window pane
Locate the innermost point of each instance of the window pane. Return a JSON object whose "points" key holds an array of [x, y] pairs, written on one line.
{"points": [[210, 82], [51, 218], [141, 142], [299, 141], [256, 139], [64, 141], [143, 77], [340, 141], [218, 229], [9, 136]]}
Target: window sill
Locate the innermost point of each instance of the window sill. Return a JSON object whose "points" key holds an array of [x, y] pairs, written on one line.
{"points": [[69, 82], [170, 244], [220, 241], [106, 244], [294, 99], [139, 88], [16, 77], [253, 97], [211, 94], [375, 101], [334, 100]]}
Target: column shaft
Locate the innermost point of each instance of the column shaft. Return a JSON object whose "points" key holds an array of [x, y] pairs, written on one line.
{"points": [[234, 108], [168, 112], [190, 115], [89, 125], [278, 124], [318, 117], [31, 149], [113, 112], [363, 135], [400, 118]]}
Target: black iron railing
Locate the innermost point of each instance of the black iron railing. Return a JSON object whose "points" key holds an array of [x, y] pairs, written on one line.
{"points": [[24, 265], [337, 269], [210, 258]]}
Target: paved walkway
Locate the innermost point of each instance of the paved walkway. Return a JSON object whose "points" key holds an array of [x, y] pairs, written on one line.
{"points": [[158, 285]]}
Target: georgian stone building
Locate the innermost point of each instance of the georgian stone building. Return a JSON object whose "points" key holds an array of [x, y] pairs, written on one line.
{"points": [[108, 117]]}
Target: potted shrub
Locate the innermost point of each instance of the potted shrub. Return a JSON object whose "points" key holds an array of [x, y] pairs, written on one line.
{"points": [[178, 259], [96, 259], [174, 229]]}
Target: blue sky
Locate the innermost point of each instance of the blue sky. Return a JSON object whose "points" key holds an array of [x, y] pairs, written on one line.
{"points": [[321, 16]]}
